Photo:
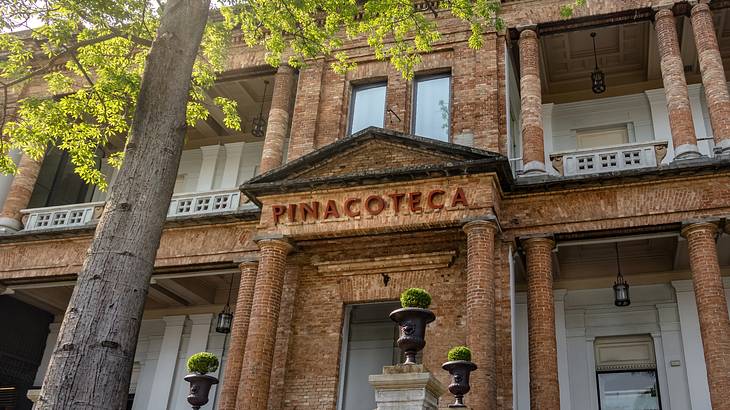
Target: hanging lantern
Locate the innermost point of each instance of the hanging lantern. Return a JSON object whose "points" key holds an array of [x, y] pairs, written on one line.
{"points": [[597, 77], [620, 287], [225, 318], [258, 125]]}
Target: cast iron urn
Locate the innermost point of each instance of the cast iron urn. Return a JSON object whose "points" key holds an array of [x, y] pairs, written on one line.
{"points": [[200, 385], [459, 371], [412, 322]]}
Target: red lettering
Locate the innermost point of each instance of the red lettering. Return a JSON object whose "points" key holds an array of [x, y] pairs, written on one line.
{"points": [[396, 201], [432, 195], [278, 211], [310, 210], [331, 210], [414, 201], [379, 204], [292, 212], [459, 198], [348, 207]]}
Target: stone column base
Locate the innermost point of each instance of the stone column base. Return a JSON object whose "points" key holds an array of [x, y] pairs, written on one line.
{"points": [[406, 387], [33, 395], [9, 225]]}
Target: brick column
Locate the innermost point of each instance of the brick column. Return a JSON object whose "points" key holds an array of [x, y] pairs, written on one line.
{"points": [[544, 387], [239, 333], [278, 123], [713, 75], [533, 146], [253, 392], [711, 308], [19, 194], [675, 86], [480, 325]]}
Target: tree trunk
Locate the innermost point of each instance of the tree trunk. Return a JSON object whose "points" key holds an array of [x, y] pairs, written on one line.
{"points": [[92, 361]]}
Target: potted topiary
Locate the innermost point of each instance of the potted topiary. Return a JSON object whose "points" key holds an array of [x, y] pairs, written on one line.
{"points": [[459, 367], [412, 319], [199, 365]]}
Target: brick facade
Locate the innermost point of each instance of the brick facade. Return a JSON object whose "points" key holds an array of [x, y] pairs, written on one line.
{"points": [[712, 309], [285, 350]]}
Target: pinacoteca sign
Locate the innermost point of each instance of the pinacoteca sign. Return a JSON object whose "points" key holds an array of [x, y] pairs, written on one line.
{"points": [[373, 205], [412, 205]]}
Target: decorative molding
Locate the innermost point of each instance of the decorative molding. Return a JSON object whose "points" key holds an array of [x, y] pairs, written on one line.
{"points": [[385, 264]]}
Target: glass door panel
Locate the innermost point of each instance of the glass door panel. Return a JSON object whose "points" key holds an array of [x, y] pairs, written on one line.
{"points": [[630, 390]]}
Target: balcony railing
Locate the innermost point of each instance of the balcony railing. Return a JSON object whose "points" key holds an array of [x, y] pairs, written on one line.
{"points": [[609, 159], [189, 204]]}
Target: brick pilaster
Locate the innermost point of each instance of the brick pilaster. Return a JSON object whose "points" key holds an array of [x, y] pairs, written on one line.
{"points": [[675, 86], [533, 145], [480, 312], [544, 388], [713, 75], [278, 123], [253, 392], [711, 308], [239, 333], [20, 192]]}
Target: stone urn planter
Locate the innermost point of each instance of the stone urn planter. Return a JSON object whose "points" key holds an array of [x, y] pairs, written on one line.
{"points": [[459, 367], [200, 385], [200, 364], [412, 320]]}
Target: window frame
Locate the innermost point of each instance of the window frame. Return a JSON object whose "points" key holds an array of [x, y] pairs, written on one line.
{"points": [[356, 87], [414, 100], [656, 381]]}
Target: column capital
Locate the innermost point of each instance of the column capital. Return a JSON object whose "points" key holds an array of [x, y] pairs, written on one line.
{"points": [[489, 222], [248, 262], [274, 241], [663, 9], [178, 320], [529, 29], [699, 7], [531, 242], [691, 227], [284, 69]]}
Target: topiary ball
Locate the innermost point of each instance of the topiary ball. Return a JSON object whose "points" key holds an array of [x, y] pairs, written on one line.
{"points": [[415, 297], [202, 363], [459, 353]]}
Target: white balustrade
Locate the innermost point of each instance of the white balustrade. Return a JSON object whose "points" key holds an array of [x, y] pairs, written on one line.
{"points": [[198, 203], [60, 216], [610, 159]]}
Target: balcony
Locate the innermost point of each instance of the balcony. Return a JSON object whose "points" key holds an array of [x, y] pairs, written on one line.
{"points": [[181, 205], [609, 159]]}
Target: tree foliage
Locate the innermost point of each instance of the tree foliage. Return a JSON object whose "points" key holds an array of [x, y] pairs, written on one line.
{"points": [[90, 54]]}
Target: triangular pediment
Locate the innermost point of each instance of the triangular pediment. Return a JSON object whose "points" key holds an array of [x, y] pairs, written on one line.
{"points": [[374, 154]]}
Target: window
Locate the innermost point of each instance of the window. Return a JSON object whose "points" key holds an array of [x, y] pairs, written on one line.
{"points": [[626, 373], [57, 184], [368, 107], [368, 345], [432, 100]]}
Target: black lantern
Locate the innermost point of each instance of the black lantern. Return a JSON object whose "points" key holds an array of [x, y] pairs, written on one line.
{"points": [[225, 317], [620, 287], [597, 77], [258, 125]]}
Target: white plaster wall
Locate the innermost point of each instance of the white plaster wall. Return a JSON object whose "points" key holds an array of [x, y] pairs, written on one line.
{"points": [[145, 360], [6, 180], [604, 112], [587, 314]]}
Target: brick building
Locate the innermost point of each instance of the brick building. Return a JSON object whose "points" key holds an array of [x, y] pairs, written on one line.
{"points": [[497, 179]]}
